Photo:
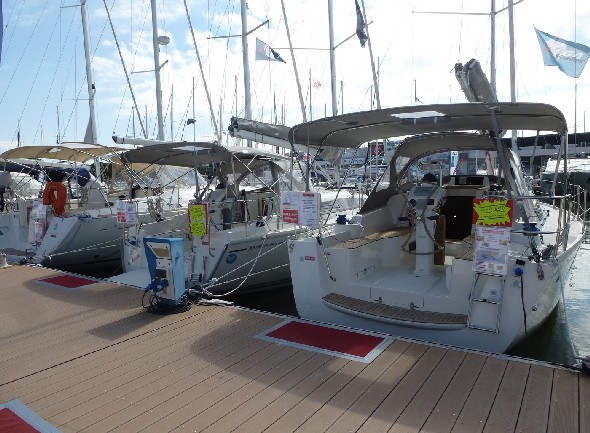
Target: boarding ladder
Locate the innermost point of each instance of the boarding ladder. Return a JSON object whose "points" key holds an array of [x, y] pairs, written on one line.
{"points": [[485, 302]]}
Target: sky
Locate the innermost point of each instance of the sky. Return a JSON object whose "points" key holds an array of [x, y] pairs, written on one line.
{"points": [[414, 43]]}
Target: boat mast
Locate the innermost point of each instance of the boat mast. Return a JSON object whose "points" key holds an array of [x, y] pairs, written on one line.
{"points": [[157, 71], [375, 81], [246, 61], [512, 62], [493, 47], [299, 92], [91, 129], [332, 59], [89, 80]]}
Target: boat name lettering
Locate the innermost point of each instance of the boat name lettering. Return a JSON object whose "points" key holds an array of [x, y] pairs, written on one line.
{"points": [[267, 245]]}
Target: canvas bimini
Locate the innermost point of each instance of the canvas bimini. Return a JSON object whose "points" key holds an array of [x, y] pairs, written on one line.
{"points": [[469, 259]]}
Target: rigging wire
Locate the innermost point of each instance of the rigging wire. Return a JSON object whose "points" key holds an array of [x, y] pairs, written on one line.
{"points": [[6, 41], [23, 54]]}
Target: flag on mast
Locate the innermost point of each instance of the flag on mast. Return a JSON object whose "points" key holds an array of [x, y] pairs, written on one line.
{"points": [[265, 52], [360, 25], [569, 57]]}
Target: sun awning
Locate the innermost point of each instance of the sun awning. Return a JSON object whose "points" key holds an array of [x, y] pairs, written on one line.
{"points": [[189, 154], [72, 152]]}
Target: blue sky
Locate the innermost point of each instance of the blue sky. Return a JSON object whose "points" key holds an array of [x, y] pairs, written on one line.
{"points": [[42, 73]]}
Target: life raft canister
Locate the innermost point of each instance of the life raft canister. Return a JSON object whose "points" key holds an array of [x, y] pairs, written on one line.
{"points": [[55, 194]]}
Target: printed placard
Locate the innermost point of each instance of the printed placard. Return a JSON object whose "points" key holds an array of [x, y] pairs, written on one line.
{"points": [[198, 217], [130, 212], [301, 208], [491, 250], [126, 211], [39, 210], [120, 209], [492, 212]]}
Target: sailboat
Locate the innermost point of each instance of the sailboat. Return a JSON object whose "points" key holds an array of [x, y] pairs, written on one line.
{"points": [[244, 246], [469, 260], [77, 226], [80, 229]]}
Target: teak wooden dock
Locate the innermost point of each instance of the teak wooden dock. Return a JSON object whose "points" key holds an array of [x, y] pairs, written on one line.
{"points": [[92, 360]]}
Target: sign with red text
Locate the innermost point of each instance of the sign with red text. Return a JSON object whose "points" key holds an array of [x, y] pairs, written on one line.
{"points": [[301, 208], [126, 211]]}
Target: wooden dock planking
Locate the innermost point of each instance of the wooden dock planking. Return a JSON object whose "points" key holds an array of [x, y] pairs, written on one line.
{"points": [[341, 403], [323, 393], [584, 405], [400, 397], [92, 360], [289, 399], [506, 408], [227, 401], [110, 359], [181, 408], [402, 356], [563, 416], [145, 397], [242, 410], [421, 406], [446, 412], [119, 378], [477, 407], [536, 400]]}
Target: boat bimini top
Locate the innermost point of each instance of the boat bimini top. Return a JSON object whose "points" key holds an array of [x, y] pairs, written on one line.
{"points": [[71, 152], [351, 130]]}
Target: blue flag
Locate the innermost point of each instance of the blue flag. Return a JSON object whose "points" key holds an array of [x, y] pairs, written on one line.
{"points": [[569, 57], [360, 25], [265, 52]]}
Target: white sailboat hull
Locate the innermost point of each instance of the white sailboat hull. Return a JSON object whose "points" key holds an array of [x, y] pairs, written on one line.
{"points": [[244, 259], [85, 240], [312, 283]]}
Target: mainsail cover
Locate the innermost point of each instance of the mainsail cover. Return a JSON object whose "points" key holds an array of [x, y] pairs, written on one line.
{"points": [[474, 83], [278, 135]]}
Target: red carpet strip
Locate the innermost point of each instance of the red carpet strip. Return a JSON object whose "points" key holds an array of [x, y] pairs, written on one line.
{"points": [[357, 345]]}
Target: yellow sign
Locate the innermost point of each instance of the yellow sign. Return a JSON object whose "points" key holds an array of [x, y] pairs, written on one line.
{"points": [[492, 212], [197, 211], [198, 223], [198, 228]]}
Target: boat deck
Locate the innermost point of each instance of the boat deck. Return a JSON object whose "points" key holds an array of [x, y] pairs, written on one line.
{"points": [[395, 313], [90, 359]]}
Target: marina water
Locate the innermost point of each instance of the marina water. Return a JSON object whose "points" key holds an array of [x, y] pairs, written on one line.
{"points": [[566, 333]]}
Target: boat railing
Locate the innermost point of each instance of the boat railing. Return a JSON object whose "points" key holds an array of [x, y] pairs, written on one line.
{"points": [[570, 206]]}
